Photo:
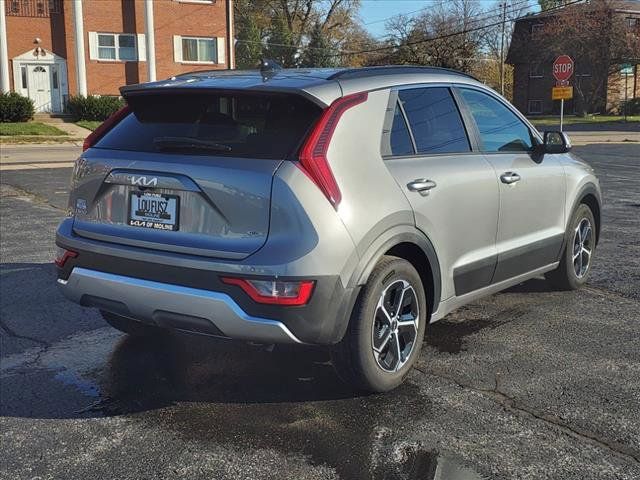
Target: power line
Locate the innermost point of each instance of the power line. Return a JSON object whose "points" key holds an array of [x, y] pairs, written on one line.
{"points": [[434, 1], [452, 34], [407, 44], [482, 16]]}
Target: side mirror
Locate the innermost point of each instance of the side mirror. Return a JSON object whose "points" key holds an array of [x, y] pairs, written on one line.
{"points": [[556, 142]]}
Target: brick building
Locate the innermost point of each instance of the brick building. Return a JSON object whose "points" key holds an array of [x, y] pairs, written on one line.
{"points": [[533, 78], [50, 49]]}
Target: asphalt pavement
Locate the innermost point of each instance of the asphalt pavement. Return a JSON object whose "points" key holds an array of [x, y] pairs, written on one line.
{"points": [[530, 383]]}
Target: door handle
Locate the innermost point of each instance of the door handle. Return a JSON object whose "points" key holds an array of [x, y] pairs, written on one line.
{"points": [[422, 186], [509, 177]]}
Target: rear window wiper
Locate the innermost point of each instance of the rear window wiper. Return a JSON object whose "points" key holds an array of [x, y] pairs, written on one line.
{"points": [[164, 143]]}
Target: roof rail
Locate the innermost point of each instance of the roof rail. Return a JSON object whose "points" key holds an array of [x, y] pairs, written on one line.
{"points": [[364, 72]]}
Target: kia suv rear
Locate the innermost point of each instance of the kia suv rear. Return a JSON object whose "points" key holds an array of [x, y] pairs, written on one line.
{"points": [[345, 208]]}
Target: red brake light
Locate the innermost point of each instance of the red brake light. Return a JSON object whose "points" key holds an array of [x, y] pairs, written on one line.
{"points": [[104, 127], [274, 292], [63, 255], [313, 155]]}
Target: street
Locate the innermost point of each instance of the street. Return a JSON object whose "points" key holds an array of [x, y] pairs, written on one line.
{"points": [[530, 383]]}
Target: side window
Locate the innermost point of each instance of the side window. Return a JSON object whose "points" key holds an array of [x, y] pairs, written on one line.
{"points": [[399, 139], [500, 129], [434, 120]]}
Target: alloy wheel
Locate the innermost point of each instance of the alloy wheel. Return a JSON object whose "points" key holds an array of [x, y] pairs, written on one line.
{"points": [[582, 247], [395, 326]]}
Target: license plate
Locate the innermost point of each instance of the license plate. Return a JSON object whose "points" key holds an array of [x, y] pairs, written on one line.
{"points": [[154, 210]]}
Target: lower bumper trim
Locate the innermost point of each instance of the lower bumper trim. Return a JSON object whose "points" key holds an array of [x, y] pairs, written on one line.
{"points": [[148, 300]]}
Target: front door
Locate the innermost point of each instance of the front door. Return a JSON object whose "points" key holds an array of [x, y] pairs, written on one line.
{"points": [[40, 87], [532, 188], [452, 189]]}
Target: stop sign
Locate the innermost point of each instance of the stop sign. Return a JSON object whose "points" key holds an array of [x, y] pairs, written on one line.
{"points": [[563, 68]]}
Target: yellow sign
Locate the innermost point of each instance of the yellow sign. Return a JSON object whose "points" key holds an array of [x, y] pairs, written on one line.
{"points": [[562, 93]]}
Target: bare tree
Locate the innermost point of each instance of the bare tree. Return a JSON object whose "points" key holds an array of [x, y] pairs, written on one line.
{"points": [[487, 68], [286, 27], [444, 36]]}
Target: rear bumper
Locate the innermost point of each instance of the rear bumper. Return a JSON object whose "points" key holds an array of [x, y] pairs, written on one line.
{"points": [[171, 306], [185, 292]]}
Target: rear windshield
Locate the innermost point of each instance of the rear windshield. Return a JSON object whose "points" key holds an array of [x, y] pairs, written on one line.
{"points": [[238, 125]]}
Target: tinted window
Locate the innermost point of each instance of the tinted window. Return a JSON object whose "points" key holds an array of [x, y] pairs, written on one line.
{"points": [[400, 140], [260, 126], [500, 129], [434, 120]]}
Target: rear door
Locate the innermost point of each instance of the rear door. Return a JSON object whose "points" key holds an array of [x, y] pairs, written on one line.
{"points": [[189, 173], [532, 187], [451, 187]]}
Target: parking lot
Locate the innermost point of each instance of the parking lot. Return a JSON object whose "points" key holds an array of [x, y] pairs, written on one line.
{"points": [[530, 383]]}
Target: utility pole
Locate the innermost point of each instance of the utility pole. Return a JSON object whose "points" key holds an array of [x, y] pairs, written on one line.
{"points": [[504, 21]]}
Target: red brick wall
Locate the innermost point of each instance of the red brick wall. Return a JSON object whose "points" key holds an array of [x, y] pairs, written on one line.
{"points": [[176, 18], [171, 17]]}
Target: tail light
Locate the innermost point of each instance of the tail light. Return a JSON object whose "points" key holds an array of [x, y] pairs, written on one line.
{"points": [[62, 255], [313, 155], [104, 127], [274, 292]]}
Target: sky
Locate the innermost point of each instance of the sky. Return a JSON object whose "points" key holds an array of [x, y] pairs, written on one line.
{"points": [[374, 12]]}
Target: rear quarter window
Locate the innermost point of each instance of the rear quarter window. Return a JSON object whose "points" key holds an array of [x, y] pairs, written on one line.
{"points": [[434, 120], [238, 125]]}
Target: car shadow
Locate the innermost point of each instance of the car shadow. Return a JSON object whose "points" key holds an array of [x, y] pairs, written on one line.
{"points": [[149, 372], [63, 361]]}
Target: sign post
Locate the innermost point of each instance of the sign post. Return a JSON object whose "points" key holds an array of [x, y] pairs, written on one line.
{"points": [[626, 71], [562, 71]]}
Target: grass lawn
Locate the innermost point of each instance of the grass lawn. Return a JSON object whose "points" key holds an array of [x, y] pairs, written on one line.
{"points": [[574, 120], [11, 129], [89, 124]]}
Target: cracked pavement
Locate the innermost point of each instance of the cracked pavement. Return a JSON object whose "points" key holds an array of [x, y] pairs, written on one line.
{"points": [[529, 383]]}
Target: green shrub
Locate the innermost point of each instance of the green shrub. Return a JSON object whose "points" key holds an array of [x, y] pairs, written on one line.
{"points": [[15, 108], [93, 107], [633, 106]]}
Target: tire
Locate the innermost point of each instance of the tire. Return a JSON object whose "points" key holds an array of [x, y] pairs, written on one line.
{"points": [[129, 325], [354, 357], [570, 274]]}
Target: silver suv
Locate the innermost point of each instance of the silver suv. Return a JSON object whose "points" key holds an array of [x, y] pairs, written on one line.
{"points": [[338, 207]]}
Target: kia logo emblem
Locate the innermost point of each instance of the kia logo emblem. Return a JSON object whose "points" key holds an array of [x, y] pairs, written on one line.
{"points": [[144, 181]]}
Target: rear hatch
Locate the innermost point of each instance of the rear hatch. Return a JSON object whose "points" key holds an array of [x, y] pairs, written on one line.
{"points": [[189, 172]]}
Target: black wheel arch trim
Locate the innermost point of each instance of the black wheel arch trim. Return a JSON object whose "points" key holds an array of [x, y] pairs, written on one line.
{"points": [[588, 189], [386, 241]]}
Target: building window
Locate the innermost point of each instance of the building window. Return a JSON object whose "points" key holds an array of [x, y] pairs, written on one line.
{"points": [[23, 76], [535, 106], [33, 8], [116, 46], [633, 22], [581, 71], [196, 50], [536, 70], [536, 28]]}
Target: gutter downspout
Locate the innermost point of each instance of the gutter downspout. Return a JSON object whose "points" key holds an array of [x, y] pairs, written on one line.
{"points": [[231, 48]]}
